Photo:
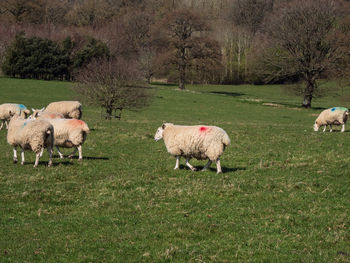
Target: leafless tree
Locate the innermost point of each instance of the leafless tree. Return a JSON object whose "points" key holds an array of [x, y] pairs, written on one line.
{"points": [[188, 41], [113, 85], [306, 42]]}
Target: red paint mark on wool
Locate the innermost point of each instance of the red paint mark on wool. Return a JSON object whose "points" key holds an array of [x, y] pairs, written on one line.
{"points": [[76, 123], [203, 129]]}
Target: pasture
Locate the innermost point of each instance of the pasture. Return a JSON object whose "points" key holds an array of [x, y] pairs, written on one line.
{"points": [[284, 195]]}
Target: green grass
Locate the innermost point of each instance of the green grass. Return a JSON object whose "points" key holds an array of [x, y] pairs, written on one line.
{"points": [[284, 195]]}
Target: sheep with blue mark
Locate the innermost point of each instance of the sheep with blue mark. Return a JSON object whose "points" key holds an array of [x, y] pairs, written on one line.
{"points": [[34, 135], [5, 110], [332, 116]]}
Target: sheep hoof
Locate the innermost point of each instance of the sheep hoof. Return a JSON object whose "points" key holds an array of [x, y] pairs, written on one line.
{"points": [[22, 163], [15, 160], [80, 159], [194, 169], [219, 172]]}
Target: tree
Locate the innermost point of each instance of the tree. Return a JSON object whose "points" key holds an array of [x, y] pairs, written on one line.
{"points": [[112, 85], [182, 29], [306, 43]]}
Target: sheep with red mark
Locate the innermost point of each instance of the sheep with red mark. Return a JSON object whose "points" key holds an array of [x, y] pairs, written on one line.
{"points": [[45, 114], [6, 108], [69, 109], [200, 142], [69, 133], [34, 135], [332, 116]]}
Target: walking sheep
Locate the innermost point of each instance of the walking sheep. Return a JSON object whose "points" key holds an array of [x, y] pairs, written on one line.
{"points": [[332, 116], [200, 142], [7, 108], [45, 114], [32, 135], [69, 109], [69, 133]]}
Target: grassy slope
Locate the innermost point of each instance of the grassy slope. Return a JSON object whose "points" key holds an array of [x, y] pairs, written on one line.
{"points": [[283, 197]]}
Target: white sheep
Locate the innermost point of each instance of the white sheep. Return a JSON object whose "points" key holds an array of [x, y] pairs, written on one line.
{"points": [[200, 142], [7, 108], [69, 133], [332, 116], [69, 109], [32, 135], [45, 114]]}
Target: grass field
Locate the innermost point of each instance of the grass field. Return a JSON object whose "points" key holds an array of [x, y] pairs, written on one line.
{"points": [[284, 195]]}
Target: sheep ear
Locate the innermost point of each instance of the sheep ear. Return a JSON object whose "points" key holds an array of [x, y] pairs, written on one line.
{"points": [[42, 109], [163, 126], [33, 110]]}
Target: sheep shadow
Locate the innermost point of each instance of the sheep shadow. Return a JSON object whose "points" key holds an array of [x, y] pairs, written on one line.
{"points": [[89, 158], [213, 169]]}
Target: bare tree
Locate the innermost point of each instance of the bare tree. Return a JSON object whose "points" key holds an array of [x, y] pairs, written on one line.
{"points": [[112, 85], [306, 41], [188, 41]]}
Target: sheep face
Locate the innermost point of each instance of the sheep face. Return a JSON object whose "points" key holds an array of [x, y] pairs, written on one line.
{"points": [[316, 126], [159, 134]]}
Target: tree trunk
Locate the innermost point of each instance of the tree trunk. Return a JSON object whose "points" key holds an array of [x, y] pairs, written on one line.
{"points": [[308, 93], [182, 77], [307, 101]]}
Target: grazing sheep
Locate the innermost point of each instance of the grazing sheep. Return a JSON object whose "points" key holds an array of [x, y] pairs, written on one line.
{"points": [[45, 114], [5, 110], [69, 109], [32, 135], [200, 142], [69, 133], [332, 116]]}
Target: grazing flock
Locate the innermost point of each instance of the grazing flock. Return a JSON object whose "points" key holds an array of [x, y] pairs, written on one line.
{"points": [[59, 125]]}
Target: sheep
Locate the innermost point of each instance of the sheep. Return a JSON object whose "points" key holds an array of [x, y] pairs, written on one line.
{"points": [[32, 135], [45, 114], [5, 110], [200, 142], [69, 133], [69, 109], [332, 116]]}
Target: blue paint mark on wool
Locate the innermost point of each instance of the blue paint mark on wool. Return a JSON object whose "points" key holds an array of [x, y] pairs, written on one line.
{"points": [[339, 108], [24, 124], [21, 107]]}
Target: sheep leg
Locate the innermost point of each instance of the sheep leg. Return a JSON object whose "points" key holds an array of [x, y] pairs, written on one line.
{"points": [[325, 127], [59, 152], [330, 128], [72, 154], [207, 165], [15, 159], [177, 162], [2, 124], [218, 166], [49, 150], [22, 156], [41, 152], [189, 165], [80, 149], [7, 126], [342, 127], [37, 157]]}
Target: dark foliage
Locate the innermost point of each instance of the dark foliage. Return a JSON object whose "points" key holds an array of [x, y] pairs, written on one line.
{"points": [[41, 58]]}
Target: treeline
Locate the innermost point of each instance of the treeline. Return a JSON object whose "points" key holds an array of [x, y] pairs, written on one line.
{"points": [[197, 41]]}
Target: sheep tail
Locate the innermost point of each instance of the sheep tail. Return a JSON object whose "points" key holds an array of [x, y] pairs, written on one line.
{"points": [[86, 128], [226, 140]]}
